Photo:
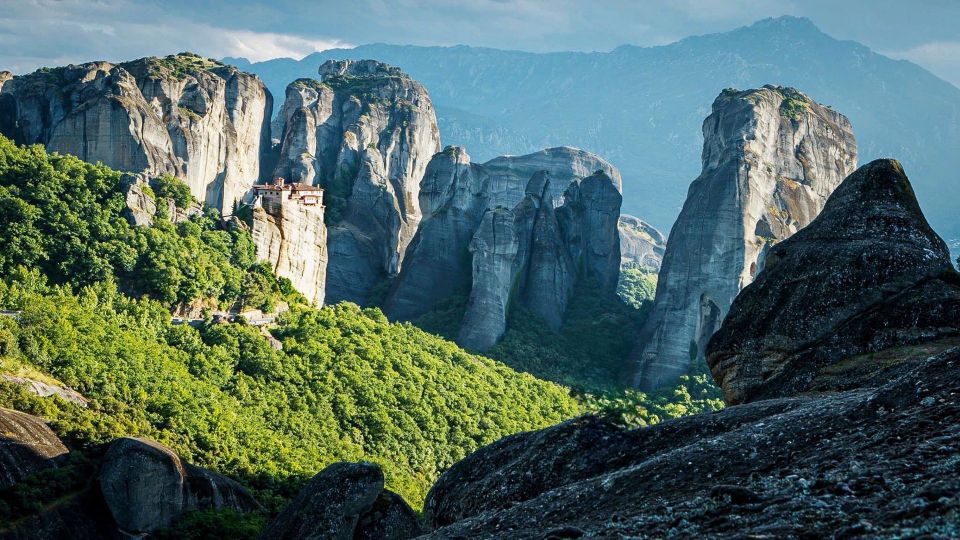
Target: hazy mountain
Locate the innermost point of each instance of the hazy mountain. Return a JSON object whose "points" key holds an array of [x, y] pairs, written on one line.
{"points": [[641, 108]]}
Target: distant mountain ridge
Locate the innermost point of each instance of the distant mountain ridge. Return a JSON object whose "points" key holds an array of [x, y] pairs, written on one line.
{"points": [[641, 107]]}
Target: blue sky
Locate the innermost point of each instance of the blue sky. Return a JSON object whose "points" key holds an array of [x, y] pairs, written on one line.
{"points": [[36, 33]]}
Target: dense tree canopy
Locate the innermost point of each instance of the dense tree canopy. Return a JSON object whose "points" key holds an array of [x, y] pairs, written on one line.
{"points": [[96, 294]]}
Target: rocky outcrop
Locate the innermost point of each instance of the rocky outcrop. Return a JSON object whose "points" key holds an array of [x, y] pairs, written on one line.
{"points": [[142, 205], [437, 265], [289, 233], [146, 487], [494, 250], [783, 467], [641, 245], [537, 254], [527, 227], [345, 501], [771, 157], [27, 446], [197, 119], [866, 276], [871, 453], [365, 133], [390, 518], [42, 389]]}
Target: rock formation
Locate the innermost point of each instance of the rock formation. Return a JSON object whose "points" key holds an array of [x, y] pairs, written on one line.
{"points": [[365, 133], [859, 313], [197, 119], [866, 276], [146, 486], [27, 445], [771, 157], [142, 204], [641, 245], [345, 501], [537, 254], [527, 227], [289, 233], [858, 463]]}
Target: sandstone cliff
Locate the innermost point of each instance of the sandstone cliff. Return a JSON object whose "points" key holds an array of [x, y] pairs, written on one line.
{"points": [[194, 118], [641, 245], [365, 133], [526, 228], [289, 233], [771, 157], [861, 292]]}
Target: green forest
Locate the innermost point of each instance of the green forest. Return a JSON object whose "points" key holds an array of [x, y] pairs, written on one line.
{"points": [[95, 297]]}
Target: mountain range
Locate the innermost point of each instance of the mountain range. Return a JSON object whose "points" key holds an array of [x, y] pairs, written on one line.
{"points": [[642, 107]]}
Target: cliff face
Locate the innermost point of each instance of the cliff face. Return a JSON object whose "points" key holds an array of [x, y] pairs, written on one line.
{"points": [[455, 195], [868, 275], [194, 118], [840, 363], [289, 233], [641, 245], [525, 228], [771, 157], [365, 133]]}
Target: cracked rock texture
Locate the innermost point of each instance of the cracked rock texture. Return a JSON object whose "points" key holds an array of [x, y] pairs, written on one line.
{"points": [[201, 121], [524, 228], [365, 133], [345, 501], [771, 157], [862, 463], [868, 275]]}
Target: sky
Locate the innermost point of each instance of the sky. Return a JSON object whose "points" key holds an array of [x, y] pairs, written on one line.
{"points": [[35, 33]]}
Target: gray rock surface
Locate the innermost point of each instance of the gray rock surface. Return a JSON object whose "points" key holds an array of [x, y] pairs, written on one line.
{"points": [[43, 389], [365, 133], [474, 214], [861, 463], [537, 254], [146, 487], [289, 233], [871, 453], [344, 501], [390, 518], [194, 118], [493, 249], [641, 245], [771, 157], [867, 288], [27, 445]]}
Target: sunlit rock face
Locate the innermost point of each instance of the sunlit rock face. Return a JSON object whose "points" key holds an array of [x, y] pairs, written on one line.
{"points": [[365, 133], [289, 234], [522, 229], [197, 119], [641, 244], [771, 157]]}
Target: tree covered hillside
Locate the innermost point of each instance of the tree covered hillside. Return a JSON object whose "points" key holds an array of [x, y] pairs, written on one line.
{"points": [[94, 296]]}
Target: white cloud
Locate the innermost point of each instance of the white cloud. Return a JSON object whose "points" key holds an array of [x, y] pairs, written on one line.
{"points": [[257, 46]]}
